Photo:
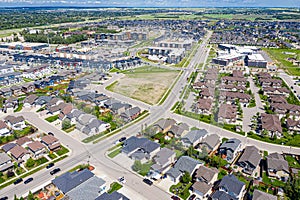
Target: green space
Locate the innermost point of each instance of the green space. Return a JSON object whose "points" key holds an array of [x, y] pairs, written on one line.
{"points": [[281, 55], [79, 167], [140, 168], [114, 153], [114, 187], [19, 108], [63, 150], [17, 134], [292, 161], [52, 156], [273, 182], [31, 163], [52, 118], [181, 190]]}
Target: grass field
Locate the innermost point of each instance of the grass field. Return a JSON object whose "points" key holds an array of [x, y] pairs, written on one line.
{"points": [[147, 83], [280, 58]]}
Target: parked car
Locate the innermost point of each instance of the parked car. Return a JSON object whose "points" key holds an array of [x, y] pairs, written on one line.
{"points": [[4, 198], [28, 180], [50, 165], [19, 180], [192, 197], [122, 139], [147, 181], [55, 171], [50, 133], [175, 197]]}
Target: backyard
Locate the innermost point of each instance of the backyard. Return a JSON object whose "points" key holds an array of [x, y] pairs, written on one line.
{"points": [[147, 83]]}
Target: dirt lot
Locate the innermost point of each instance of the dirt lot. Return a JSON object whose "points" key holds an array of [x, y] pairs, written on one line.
{"points": [[147, 84]]}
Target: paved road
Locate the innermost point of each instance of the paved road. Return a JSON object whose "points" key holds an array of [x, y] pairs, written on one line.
{"points": [[290, 82]]}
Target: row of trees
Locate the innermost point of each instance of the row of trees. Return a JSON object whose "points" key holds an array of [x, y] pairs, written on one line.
{"points": [[56, 39]]}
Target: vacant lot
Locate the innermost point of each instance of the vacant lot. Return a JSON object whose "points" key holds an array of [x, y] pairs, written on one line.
{"points": [[281, 55], [147, 84]]}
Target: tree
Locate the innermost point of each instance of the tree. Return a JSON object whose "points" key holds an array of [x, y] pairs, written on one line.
{"points": [[30, 196], [66, 124], [292, 188], [137, 166], [30, 163], [186, 177]]}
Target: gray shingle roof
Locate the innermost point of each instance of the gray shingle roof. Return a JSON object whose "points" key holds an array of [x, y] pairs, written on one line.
{"points": [[113, 196], [211, 141], [186, 163], [231, 184], [69, 181], [277, 162], [220, 195], [88, 190], [4, 158], [251, 155], [133, 143], [194, 135], [259, 195], [8, 146]]}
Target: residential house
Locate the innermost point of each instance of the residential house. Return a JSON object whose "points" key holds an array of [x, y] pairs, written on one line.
{"points": [[293, 125], [4, 130], [30, 100], [11, 103], [140, 148], [70, 180], [163, 125], [37, 149], [118, 108], [51, 142], [19, 153], [270, 82], [42, 101], [8, 146], [23, 141], [65, 109], [74, 115], [210, 143], [260, 195], [282, 91], [178, 130], [16, 90], [89, 189], [28, 88], [227, 113], [230, 148], [232, 186], [233, 88], [5, 162], [271, 124], [15, 123], [183, 164], [5, 92], [204, 106], [90, 125], [277, 166], [250, 160], [207, 93], [113, 196], [220, 195], [232, 97], [130, 114], [193, 137], [240, 81], [202, 189], [206, 175], [163, 160]]}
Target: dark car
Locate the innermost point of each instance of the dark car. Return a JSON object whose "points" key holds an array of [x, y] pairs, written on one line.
{"points": [[19, 180], [50, 165], [192, 197], [122, 139], [4, 198], [175, 197], [50, 133], [28, 180], [147, 181], [55, 171]]}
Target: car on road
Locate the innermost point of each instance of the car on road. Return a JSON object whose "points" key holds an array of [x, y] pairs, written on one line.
{"points": [[28, 180], [55, 171], [19, 180], [4, 198], [50, 165], [192, 197], [50, 133], [122, 139], [122, 180], [147, 181], [175, 197]]}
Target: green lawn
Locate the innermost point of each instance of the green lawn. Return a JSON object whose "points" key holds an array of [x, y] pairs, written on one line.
{"points": [[273, 182], [279, 56], [114, 187], [30, 164], [19, 108], [52, 156], [145, 168], [63, 150], [292, 162], [79, 167], [52, 118], [181, 190], [114, 153]]}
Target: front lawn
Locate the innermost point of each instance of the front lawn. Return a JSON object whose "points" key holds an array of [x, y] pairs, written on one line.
{"points": [[30, 163], [114, 187], [63, 150], [292, 162], [181, 190], [114, 153], [52, 156], [19, 108], [52, 118], [273, 182]]}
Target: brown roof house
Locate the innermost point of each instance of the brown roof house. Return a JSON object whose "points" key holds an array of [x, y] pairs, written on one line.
{"points": [[15, 123], [210, 143], [19, 153], [205, 178], [4, 130], [250, 160], [227, 113], [293, 125], [178, 130], [204, 106], [30, 100], [163, 125], [37, 149], [277, 166], [163, 161], [23, 141], [259, 195], [51, 142], [271, 124]]}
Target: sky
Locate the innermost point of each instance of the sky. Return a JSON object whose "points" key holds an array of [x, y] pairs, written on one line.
{"points": [[154, 3]]}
